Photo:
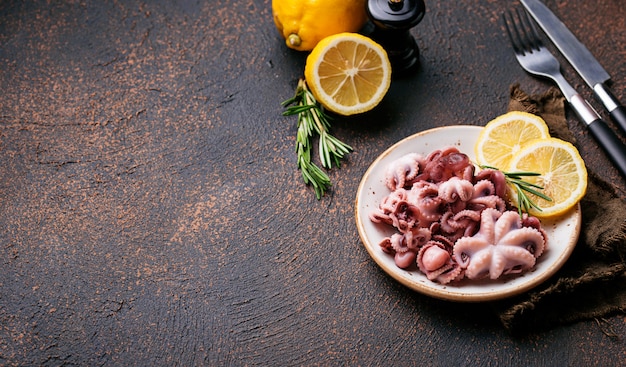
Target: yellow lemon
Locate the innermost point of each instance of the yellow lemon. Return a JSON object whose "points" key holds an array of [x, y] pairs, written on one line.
{"points": [[348, 73], [303, 23], [505, 135], [563, 174]]}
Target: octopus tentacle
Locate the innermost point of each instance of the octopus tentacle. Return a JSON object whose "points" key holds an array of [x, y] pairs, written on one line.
{"points": [[533, 222], [488, 219], [510, 260], [417, 237], [435, 261], [386, 246], [465, 217], [493, 202], [466, 247], [402, 170], [456, 189], [447, 225], [404, 254], [405, 217], [496, 177], [426, 198], [527, 238], [445, 241], [484, 188], [388, 206], [508, 221], [398, 243], [468, 221], [479, 264]]}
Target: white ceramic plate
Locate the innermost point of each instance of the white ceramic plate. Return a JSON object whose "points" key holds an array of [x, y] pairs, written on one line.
{"points": [[562, 232]]}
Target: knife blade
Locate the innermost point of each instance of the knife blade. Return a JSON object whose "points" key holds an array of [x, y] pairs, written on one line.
{"points": [[579, 57]]}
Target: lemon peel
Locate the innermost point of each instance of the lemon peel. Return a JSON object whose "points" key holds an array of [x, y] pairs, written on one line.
{"points": [[303, 23]]}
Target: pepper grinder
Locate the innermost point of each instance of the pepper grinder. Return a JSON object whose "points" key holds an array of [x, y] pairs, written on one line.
{"points": [[392, 21]]}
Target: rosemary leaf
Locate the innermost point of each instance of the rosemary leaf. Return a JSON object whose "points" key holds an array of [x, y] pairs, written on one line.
{"points": [[530, 187], [313, 121], [522, 187]]}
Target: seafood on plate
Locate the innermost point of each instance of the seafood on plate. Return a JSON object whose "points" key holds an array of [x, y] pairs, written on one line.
{"points": [[453, 222]]}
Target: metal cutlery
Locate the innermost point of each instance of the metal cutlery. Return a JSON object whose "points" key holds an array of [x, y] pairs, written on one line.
{"points": [[579, 56], [536, 59]]}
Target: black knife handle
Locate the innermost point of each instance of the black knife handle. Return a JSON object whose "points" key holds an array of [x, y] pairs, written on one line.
{"points": [[612, 145], [615, 108], [606, 138], [618, 115]]}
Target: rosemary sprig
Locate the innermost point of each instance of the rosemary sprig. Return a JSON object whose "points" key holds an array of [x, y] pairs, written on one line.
{"points": [[313, 121], [522, 187]]}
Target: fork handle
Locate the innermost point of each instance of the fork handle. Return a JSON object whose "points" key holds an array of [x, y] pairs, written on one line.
{"points": [[612, 145]]}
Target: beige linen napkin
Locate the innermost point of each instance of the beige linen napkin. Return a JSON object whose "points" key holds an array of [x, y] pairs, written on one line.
{"points": [[592, 283]]}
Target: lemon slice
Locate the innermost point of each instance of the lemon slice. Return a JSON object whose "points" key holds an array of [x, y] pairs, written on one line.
{"points": [[348, 73], [505, 135], [562, 174]]}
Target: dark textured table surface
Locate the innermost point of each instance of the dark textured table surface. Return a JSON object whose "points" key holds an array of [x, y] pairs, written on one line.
{"points": [[152, 213]]}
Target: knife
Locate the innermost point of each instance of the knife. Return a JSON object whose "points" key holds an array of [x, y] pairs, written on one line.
{"points": [[579, 56]]}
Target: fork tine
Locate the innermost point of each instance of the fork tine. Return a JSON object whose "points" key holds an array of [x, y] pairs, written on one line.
{"points": [[530, 31], [506, 21], [521, 31], [523, 34], [512, 32]]}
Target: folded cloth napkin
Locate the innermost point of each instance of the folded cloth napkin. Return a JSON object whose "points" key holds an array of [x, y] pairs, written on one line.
{"points": [[592, 283]]}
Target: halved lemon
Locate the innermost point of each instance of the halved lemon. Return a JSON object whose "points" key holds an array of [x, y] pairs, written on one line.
{"points": [[348, 73], [505, 135], [563, 174]]}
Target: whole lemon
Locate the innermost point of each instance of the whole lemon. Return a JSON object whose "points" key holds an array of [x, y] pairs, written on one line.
{"points": [[303, 23]]}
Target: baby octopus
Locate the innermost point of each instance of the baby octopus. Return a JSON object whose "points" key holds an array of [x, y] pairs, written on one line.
{"points": [[501, 246], [453, 224]]}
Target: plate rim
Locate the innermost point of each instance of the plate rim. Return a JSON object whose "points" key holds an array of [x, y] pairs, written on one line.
{"points": [[433, 289]]}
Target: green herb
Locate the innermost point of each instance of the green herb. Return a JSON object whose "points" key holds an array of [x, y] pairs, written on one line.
{"points": [[313, 121], [522, 187]]}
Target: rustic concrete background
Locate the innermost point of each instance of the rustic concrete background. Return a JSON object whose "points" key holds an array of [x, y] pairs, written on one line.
{"points": [[152, 213]]}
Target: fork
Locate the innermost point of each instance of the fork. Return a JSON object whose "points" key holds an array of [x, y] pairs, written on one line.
{"points": [[536, 59]]}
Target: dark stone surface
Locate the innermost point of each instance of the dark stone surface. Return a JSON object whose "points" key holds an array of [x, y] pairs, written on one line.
{"points": [[152, 213]]}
